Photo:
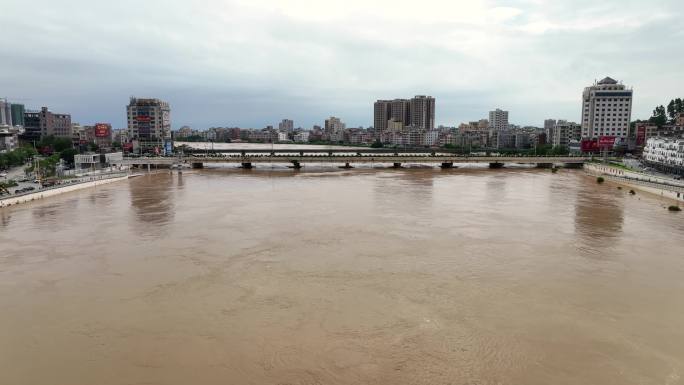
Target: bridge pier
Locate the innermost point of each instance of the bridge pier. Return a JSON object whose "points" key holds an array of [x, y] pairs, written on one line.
{"points": [[573, 165], [198, 165], [446, 165], [247, 165], [296, 165], [396, 165], [496, 165], [544, 165], [347, 166], [148, 167]]}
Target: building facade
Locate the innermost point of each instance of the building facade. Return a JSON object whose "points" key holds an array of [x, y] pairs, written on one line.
{"points": [[286, 125], [149, 122], [39, 124], [665, 152], [606, 109], [565, 133], [5, 113], [18, 111], [418, 112], [498, 120]]}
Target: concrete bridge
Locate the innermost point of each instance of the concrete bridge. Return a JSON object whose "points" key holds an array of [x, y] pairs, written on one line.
{"points": [[345, 158]]}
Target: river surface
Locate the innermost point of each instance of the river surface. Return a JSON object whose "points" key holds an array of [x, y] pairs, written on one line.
{"points": [[418, 276]]}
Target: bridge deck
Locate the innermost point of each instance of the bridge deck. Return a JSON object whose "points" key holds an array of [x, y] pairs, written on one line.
{"points": [[375, 158]]}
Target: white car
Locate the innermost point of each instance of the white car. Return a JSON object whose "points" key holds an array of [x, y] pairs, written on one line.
{"points": [[3, 175]]}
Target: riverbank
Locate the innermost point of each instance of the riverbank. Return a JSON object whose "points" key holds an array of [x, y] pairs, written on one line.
{"points": [[664, 187], [61, 189]]}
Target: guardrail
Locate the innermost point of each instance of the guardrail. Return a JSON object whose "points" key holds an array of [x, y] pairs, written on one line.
{"points": [[637, 181]]}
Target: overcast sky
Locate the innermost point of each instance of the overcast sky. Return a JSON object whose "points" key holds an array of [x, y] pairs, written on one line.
{"points": [[250, 63]]}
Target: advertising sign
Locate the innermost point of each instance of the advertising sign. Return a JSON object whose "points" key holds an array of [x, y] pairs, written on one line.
{"points": [[606, 142], [168, 147], [102, 130], [589, 145], [142, 118], [128, 147], [640, 134]]}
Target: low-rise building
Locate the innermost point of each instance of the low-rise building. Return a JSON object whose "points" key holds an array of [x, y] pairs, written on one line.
{"points": [[665, 152]]}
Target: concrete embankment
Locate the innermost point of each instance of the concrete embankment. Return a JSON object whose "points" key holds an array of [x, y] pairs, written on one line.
{"points": [[663, 187], [46, 193]]}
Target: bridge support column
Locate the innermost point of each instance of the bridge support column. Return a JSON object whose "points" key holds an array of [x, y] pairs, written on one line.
{"points": [[446, 165], [296, 165], [148, 167], [247, 165], [496, 165], [198, 165], [544, 165], [396, 165], [347, 166], [573, 165]]}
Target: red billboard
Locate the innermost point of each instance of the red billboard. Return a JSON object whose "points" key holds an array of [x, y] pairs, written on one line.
{"points": [[143, 118], [589, 145], [103, 130], [128, 147], [606, 142], [640, 134]]}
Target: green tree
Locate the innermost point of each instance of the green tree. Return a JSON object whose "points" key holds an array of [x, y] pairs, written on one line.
{"points": [[68, 155], [377, 144], [659, 117]]}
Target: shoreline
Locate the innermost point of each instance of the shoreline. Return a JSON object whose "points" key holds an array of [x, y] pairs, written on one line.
{"points": [[50, 192], [636, 181]]}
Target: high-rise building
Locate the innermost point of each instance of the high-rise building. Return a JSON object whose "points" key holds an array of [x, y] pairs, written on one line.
{"points": [[5, 113], [498, 120], [334, 125], [18, 114], [149, 122], [382, 111], [423, 112], [606, 109], [418, 112], [39, 124], [286, 125]]}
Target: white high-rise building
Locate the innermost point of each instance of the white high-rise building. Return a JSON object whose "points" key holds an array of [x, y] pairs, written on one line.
{"points": [[498, 120], [606, 109]]}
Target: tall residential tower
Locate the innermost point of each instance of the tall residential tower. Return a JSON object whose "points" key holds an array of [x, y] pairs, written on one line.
{"points": [[606, 109], [149, 122]]}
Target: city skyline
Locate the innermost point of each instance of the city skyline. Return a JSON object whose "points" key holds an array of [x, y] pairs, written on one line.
{"points": [[251, 64]]}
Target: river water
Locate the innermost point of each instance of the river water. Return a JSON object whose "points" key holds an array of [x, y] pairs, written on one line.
{"points": [[328, 276]]}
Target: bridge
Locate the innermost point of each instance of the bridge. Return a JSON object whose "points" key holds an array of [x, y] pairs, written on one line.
{"points": [[248, 158]]}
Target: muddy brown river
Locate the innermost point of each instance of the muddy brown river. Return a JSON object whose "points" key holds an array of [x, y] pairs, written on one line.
{"points": [[418, 276]]}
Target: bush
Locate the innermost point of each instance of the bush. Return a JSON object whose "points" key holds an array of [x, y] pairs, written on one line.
{"points": [[632, 192], [554, 170], [600, 180], [674, 208]]}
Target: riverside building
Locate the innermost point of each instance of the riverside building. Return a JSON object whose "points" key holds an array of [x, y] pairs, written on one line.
{"points": [[149, 122], [606, 109]]}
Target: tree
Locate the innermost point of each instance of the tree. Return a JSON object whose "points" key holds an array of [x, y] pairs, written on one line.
{"points": [[659, 117], [68, 155], [671, 110], [377, 144]]}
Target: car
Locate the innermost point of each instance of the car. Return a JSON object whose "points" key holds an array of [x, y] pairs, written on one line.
{"points": [[3, 175]]}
